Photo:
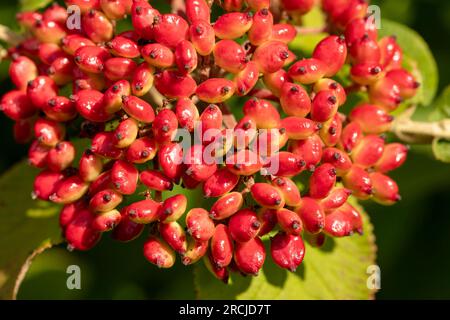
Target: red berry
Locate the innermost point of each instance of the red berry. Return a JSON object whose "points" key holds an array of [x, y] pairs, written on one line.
{"points": [[244, 162], [385, 93], [79, 233], [40, 90], [394, 155], [283, 32], [391, 55], [287, 250], [385, 190], [226, 206], [17, 106], [233, 25], [230, 56], [106, 221], [103, 145], [358, 28], [308, 71], [126, 132], [246, 79], [185, 56], [220, 183], [271, 56], [333, 86], [173, 208], [97, 26], [322, 181], [324, 106], [91, 58], [195, 251], [61, 156], [170, 158], [330, 133], [144, 211], [261, 29], [295, 100], [311, 214], [267, 195], [69, 190], [351, 136], [197, 10], [298, 128], [105, 200], [365, 50], [49, 132], [37, 154], [186, 113], [368, 151], [48, 31], [138, 109], [45, 184], [155, 180], [165, 126], [343, 222], [249, 256], [142, 17], [127, 230], [112, 99], [124, 177], [333, 52], [244, 225], [309, 149], [159, 253], [170, 29], [371, 118], [174, 84], [202, 37], [21, 71], [221, 246], [268, 219], [199, 225], [119, 68], [289, 221], [90, 166], [198, 164], [358, 181], [73, 42], [405, 81], [114, 9], [335, 199], [215, 90], [275, 81], [173, 233], [123, 47], [263, 113], [297, 6], [338, 159]]}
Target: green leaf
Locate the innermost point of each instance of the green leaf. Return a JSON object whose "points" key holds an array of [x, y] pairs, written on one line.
{"points": [[338, 270], [441, 107], [417, 58], [26, 5], [27, 227], [441, 149]]}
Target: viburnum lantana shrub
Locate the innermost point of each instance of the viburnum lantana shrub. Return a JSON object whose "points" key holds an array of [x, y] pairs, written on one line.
{"points": [[154, 103]]}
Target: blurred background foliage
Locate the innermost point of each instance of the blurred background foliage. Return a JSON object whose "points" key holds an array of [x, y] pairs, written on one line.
{"points": [[412, 236]]}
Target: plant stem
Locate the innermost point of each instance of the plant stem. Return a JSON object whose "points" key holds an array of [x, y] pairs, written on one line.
{"points": [[9, 36], [411, 131]]}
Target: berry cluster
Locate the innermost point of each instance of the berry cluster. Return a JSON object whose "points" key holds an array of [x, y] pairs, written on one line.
{"points": [[131, 94]]}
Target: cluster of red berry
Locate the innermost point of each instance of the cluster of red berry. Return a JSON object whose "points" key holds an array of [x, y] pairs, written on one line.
{"points": [[196, 66]]}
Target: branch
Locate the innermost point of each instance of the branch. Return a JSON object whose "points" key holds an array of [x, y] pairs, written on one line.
{"points": [[9, 36], [228, 118], [411, 131], [310, 30]]}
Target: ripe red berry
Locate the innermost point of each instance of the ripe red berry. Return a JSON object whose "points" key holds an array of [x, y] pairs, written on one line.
{"points": [[249, 256], [298, 128], [138, 109], [287, 250], [271, 56], [324, 106], [103, 145], [126, 132], [37, 154], [124, 177], [221, 246], [311, 214], [322, 181], [226, 206], [338, 159], [61, 156], [261, 29], [79, 234], [202, 37], [394, 155], [195, 251], [106, 221], [368, 151], [69, 190], [385, 190], [371, 118], [165, 126], [294, 100], [173, 208], [170, 158], [333, 52], [127, 230], [267, 195], [215, 90], [275, 81], [197, 10], [244, 225], [157, 252], [351, 136], [155, 180], [119, 68], [246, 79], [198, 165], [141, 150], [308, 71], [40, 90], [220, 183], [97, 26], [21, 71], [283, 32], [230, 56], [343, 222], [309, 149], [263, 113], [17, 106], [331, 131], [45, 184], [185, 56], [289, 221], [144, 211], [233, 25], [174, 84], [105, 200], [173, 233], [91, 58], [170, 29], [335, 199], [358, 181], [405, 81], [142, 17], [199, 225], [391, 55], [186, 113]]}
